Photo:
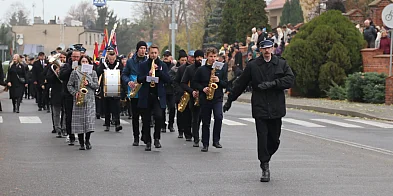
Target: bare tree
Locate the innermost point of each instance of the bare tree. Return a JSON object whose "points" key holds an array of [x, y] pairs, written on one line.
{"points": [[17, 14], [84, 12]]}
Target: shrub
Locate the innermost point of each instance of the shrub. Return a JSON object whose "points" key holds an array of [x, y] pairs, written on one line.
{"points": [[336, 92], [326, 48], [366, 87]]}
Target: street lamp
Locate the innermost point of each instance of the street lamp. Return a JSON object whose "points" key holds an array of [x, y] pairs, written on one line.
{"points": [[172, 26]]}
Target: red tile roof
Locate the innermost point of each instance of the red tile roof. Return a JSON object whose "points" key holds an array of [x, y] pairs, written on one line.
{"points": [[275, 4]]}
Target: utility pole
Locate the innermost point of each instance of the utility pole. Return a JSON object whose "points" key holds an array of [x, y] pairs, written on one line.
{"points": [[185, 21], [43, 10]]}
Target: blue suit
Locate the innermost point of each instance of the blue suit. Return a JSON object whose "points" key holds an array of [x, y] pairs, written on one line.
{"points": [[161, 73]]}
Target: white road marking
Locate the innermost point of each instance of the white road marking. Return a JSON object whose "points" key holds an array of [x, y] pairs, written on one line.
{"points": [[301, 122], [353, 144], [124, 122], [337, 123], [29, 119], [1, 119], [248, 119], [373, 123], [231, 122]]}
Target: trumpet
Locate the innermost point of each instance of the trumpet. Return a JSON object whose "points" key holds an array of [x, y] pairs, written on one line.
{"points": [[56, 64], [153, 74]]}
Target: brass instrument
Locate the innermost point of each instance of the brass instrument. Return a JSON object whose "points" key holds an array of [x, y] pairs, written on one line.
{"points": [[212, 86], [56, 64], [181, 106], [153, 74], [80, 100], [196, 102], [134, 91]]}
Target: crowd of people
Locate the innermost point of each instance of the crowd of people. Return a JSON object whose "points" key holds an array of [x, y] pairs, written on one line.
{"points": [[77, 91]]}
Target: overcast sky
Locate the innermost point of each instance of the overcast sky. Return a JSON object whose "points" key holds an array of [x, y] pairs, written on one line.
{"points": [[61, 7]]}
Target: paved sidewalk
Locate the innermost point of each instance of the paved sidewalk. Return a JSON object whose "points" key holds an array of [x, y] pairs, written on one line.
{"points": [[363, 110]]}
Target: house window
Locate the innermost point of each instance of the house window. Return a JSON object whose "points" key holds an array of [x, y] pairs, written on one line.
{"points": [[89, 39], [85, 38]]}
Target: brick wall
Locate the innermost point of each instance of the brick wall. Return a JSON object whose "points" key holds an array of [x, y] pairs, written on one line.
{"points": [[375, 61], [389, 91], [376, 12]]}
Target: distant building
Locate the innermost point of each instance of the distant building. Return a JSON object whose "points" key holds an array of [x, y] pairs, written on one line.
{"points": [[38, 37]]}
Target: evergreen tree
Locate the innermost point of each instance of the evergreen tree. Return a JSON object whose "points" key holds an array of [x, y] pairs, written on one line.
{"points": [[14, 19], [326, 49], [296, 12], [212, 30], [5, 37], [292, 13], [285, 16], [239, 18], [22, 18], [227, 29], [103, 15]]}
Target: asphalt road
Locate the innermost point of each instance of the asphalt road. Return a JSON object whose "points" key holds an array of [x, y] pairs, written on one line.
{"points": [[319, 155]]}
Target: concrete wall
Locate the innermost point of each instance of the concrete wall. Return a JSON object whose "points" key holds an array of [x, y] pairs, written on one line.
{"points": [[49, 35]]}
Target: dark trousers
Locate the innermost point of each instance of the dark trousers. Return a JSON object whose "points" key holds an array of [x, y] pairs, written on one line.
{"points": [[69, 104], [155, 109], [170, 103], [206, 112], [184, 121], [111, 106], [135, 117], [45, 97], [98, 106], [196, 120], [268, 134], [39, 96], [84, 140]]}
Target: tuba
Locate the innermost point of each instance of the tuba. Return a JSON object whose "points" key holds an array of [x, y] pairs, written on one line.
{"points": [[153, 74], [212, 86], [80, 101]]}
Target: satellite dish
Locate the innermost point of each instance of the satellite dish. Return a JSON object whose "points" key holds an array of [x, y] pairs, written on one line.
{"points": [[20, 41]]}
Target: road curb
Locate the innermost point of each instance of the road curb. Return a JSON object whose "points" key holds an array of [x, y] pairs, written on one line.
{"points": [[324, 110]]}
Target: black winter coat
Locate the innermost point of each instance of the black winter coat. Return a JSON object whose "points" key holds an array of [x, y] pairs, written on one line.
{"points": [[17, 88], [270, 103], [65, 73], [56, 88]]}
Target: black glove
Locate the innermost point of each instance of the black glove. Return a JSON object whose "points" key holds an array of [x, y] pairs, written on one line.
{"points": [[266, 85], [227, 106]]}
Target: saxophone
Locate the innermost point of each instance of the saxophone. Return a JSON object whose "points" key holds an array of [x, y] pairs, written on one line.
{"points": [[153, 74], [80, 100], [212, 86], [134, 91], [181, 106]]}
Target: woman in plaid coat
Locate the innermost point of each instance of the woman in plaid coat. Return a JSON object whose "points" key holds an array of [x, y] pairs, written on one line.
{"points": [[83, 117]]}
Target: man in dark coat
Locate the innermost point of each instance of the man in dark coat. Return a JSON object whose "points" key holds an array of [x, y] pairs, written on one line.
{"points": [[2, 83], [270, 76], [38, 79], [170, 99], [152, 98]]}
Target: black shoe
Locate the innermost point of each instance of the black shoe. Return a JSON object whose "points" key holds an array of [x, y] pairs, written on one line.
{"points": [[171, 129], [136, 142], [180, 135], [105, 125], [157, 143], [59, 135], [39, 109], [163, 130], [148, 147], [71, 142], [205, 149], [118, 128], [189, 139], [82, 148], [54, 131], [265, 172], [88, 146], [98, 116], [217, 145], [106, 128], [196, 144]]}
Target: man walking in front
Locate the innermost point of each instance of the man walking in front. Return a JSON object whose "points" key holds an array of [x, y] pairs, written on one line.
{"points": [[270, 76]]}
